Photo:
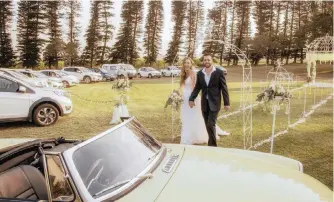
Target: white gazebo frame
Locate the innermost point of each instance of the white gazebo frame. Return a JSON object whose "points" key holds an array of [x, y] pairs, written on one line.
{"points": [[321, 49]]}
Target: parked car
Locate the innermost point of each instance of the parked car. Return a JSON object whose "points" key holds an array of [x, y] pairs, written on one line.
{"points": [[53, 82], [120, 70], [83, 74], [148, 72], [67, 80], [126, 163], [18, 75], [171, 71], [21, 101], [105, 75]]}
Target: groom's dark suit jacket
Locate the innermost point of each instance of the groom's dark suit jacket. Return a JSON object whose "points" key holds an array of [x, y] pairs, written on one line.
{"points": [[215, 90]]}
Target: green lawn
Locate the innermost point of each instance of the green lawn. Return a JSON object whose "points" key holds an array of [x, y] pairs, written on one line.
{"points": [[311, 142]]}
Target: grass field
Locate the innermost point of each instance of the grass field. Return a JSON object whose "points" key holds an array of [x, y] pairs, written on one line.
{"points": [[311, 142]]}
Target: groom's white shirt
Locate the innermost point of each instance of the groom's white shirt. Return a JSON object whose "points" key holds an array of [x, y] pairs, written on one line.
{"points": [[207, 77]]}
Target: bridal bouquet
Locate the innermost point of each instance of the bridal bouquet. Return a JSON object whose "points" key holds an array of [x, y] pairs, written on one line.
{"points": [[272, 93], [174, 100]]}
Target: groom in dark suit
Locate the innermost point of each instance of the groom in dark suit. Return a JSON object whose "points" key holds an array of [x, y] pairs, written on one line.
{"points": [[212, 82]]}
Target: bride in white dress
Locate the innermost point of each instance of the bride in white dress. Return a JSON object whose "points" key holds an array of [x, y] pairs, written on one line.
{"points": [[193, 129]]}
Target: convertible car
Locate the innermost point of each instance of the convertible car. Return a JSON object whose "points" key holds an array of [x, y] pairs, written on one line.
{"points": [[126, 163]]}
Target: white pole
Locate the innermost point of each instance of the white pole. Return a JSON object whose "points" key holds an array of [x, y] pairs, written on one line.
{"points": [[304, 101], [314, 95], [273, 130]]}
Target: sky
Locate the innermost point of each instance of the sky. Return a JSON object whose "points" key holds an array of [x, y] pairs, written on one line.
{"points": [[85, 16]]}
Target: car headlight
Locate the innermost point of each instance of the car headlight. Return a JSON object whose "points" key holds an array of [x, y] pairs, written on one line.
{"points": [[65, 94]]}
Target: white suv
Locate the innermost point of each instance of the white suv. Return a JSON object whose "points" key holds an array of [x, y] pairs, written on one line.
{"points": [[83, 74], [23, 101]]}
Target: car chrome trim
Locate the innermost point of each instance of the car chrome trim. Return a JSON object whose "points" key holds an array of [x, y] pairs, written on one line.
{"points": [[301, 167], [82, 190], [168, 167]]}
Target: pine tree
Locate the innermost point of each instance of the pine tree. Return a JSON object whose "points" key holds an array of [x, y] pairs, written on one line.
{"points": [[30, 25], [194, 19], [301, 26], [126, 48], [73, 8], [242, 24], [106, 28], [291, 31], [6, 49], [154, 25], [54, 49], [216, 29], [178, 13], [93, 35], [232, 33]]}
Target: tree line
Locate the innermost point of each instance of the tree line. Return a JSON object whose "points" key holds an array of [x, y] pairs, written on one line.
{"points": [[283, 29]]}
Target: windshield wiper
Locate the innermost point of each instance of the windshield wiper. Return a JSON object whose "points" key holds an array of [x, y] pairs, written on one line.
{"points": [[119, 184]]}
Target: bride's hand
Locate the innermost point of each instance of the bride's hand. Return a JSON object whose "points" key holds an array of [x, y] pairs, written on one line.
{"points": [[191, 104]]}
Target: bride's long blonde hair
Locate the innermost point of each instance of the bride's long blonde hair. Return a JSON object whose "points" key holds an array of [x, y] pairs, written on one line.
{"points": [[183, 76]]}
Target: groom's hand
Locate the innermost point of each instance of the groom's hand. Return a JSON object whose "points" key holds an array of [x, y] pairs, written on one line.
{"points": [[226, 108], [191, 104]]}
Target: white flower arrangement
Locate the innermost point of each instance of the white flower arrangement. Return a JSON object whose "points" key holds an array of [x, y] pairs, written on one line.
{"points": [[275, 92], [122, 86], [174, 100]]}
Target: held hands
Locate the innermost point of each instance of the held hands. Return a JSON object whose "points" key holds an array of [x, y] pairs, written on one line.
{"points": [[191, 104], [226, 108]]}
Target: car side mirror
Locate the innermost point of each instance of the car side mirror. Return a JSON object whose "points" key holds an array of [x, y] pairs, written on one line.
{"points": [[22, 89]]}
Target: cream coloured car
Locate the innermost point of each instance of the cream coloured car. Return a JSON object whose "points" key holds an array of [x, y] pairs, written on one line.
{"points": [[126, 163]]}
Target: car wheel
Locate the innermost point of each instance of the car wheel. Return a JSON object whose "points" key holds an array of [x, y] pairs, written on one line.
{"points": [[66, 84], [138, 75], [150, 76], [163, 74], [45, 115], [87, 79], [130, 78], [104, 79]]}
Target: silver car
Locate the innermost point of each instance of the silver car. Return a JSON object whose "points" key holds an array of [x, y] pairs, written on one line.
{"points": [[67, 80], [120, 70], [83, 74]]}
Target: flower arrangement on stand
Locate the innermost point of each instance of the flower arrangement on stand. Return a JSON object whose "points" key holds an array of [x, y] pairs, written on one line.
{"points": [[174, 100], [122, 86], [275, 94]]}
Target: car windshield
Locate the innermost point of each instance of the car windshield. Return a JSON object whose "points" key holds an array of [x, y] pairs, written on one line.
{"points": [[85, 70], [115, 157], [39, 75], [18, 75], [103, 71], [129, 67], [61, 73]]}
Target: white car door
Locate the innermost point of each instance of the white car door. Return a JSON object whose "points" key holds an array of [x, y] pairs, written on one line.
{"points": [[13, 104], [144, 72]]}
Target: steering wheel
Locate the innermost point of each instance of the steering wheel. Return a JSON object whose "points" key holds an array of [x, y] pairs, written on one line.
{"points": [[94, 173]]}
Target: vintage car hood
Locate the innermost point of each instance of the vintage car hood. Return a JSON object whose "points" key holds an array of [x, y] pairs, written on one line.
{"points": [[216, 174]]}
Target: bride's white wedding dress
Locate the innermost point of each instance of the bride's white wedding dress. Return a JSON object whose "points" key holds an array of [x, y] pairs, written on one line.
{"points": [[193, 129]]}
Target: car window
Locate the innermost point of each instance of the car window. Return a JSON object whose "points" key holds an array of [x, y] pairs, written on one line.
{"points": [[69, 69], [59, 186], [113, 67], [7, 85], [46, 73]]}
